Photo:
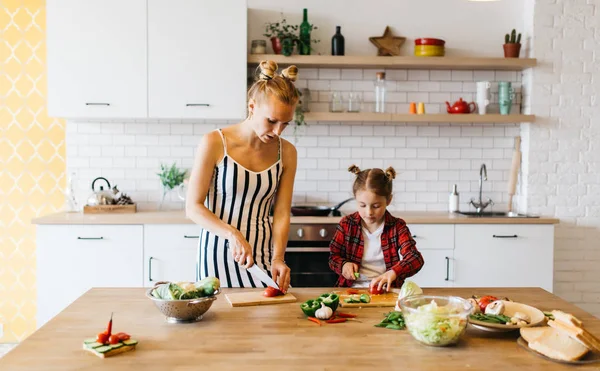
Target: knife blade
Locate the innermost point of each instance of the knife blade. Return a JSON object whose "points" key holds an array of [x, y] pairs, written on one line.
{"points": [[262, 276]]}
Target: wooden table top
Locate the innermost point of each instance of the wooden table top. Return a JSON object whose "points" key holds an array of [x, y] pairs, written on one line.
{"points": [[271, 337]]}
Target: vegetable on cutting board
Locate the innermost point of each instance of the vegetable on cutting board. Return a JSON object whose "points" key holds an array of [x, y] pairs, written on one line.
{"points": [[107, 344], [272, 292]]}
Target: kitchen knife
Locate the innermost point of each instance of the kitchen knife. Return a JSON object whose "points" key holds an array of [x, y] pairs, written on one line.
{"points": [[261, 275]]}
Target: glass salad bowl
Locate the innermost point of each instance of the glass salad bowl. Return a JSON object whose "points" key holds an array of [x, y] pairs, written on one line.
{"points": [[435, 320]]}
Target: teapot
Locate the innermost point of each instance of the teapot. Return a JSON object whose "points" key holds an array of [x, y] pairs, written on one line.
{"points": [[102, 197], [460, 106]]}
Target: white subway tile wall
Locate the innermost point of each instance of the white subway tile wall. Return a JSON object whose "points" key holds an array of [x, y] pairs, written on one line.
{"points": [[429, 158]]}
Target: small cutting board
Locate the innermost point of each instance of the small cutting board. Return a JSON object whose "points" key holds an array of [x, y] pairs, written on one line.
{"points": [[245, 299], [384, 300]]}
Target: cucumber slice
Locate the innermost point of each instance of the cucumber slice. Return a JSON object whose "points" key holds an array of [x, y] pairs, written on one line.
{"points": [[117, 345], [130, 342], [103, 349], [89, 341], [94, 345]]}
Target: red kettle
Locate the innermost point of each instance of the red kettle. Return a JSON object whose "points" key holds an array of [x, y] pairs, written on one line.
{"points": [[460, 106]]}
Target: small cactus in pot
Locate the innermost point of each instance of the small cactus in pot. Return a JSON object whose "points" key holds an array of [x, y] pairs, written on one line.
{"points": [[512, 44]]}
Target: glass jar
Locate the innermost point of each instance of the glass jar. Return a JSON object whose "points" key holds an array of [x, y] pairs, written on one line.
{"points": [[258, 47], [380, 92], [354, 101], [337, 102]]}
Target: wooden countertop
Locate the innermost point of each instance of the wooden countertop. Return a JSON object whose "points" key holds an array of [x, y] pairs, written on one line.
{"points": [[178, 217], [271, 337]]}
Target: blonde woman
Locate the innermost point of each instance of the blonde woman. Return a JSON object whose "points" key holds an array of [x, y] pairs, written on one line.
{"points": [[238, 174]]}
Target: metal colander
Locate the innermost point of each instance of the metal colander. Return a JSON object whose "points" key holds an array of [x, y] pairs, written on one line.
{"points": [[183, 311]]}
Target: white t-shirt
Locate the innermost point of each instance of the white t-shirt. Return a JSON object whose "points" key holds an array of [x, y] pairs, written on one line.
{"points": [[372, 264]]}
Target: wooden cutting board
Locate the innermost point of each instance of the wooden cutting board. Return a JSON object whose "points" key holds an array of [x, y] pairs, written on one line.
{"points": [[384, 300], [245, 299]]}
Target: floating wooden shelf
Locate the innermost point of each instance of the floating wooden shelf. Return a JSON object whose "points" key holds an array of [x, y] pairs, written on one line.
{"points": [[408, 62], [434, 118]]}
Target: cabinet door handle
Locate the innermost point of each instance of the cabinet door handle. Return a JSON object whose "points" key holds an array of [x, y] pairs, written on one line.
{"points": [[90, 238], [97, 104], [447, 269], [197, 105], [505, 236], [150, 269], [186, 236]]}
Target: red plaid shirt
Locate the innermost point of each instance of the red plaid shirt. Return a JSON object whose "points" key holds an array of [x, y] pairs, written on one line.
{"points": [[397, 243]]}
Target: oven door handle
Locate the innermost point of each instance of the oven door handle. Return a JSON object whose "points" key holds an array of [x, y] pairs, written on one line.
{"points": [[307, 249]]}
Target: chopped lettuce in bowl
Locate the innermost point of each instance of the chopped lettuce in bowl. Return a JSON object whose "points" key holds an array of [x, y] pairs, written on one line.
{"points": [[186, 290], [435, 320]]}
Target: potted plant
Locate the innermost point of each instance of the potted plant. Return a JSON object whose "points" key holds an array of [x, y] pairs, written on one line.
{"points": [[283, 36], [512, 45], [170, 178]]}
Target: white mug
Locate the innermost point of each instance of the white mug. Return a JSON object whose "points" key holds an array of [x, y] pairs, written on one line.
{"points": [[483, 96]]}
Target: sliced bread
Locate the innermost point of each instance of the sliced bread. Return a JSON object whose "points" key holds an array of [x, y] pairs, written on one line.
{"points": [[566, 318], [532, 333], [558, 345], [578, 333]]}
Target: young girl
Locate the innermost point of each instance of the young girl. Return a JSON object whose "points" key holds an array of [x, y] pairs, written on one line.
{"points": [[371, 242]]}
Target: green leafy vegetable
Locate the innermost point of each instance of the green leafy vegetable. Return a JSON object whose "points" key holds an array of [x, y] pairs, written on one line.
{"points": [[393, 321]]}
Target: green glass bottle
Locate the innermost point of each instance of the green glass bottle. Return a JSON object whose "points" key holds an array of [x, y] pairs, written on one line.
{"points": [[305, 28]]}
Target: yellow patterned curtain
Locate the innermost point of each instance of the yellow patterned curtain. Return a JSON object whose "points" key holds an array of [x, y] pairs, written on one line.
{"points": [[32, 159]]}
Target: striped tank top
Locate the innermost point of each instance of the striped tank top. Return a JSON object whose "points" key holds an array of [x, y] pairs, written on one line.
{"points": [[241, 198]]}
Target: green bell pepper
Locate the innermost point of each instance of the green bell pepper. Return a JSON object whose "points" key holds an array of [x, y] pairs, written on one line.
{"points": [[331, 300], [309, 307]]}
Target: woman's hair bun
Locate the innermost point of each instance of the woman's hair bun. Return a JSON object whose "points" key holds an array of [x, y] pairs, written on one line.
{"points": [[290, 73], [268, 70]]}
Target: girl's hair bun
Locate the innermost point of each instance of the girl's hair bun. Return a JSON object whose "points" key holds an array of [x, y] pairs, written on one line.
{"points": [[354, 169]]}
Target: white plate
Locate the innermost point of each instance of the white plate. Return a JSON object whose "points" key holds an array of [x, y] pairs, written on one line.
{"points": [[510, 308]]}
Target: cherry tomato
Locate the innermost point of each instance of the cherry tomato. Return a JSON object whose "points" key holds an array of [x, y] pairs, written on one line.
{"points": [[272, 291], [373, 290], [123, 336], [102, 338], [114, 339]]}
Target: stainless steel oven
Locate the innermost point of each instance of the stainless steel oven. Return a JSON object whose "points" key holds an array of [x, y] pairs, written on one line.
{"points": [[307, 255]]}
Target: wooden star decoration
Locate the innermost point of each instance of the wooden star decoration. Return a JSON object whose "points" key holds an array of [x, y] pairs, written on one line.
{"points": [[388, 44]]}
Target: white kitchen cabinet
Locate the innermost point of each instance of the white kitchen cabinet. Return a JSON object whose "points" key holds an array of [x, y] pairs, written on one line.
{"points": [[71, 259], [436, 244], [197, 58], [170, 252], [96, 56], [504, 256]]}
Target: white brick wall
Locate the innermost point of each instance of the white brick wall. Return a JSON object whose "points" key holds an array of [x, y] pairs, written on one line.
{"points": [[562, 151], [428, 158]]}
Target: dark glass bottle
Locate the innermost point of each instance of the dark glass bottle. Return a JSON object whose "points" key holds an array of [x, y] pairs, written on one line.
{"points": [[305, 28], [337, 42]]}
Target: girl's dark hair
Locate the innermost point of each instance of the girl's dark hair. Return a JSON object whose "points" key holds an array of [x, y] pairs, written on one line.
{"points": [[374, 180]]}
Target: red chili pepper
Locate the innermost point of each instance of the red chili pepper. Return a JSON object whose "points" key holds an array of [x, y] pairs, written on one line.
{"points": [[109, 329], [352, 291], [337, 320], [345, 315], [315, 320]]}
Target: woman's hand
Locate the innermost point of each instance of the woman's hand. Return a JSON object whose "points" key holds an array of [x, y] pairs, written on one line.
{"points": [[281, 274], [348, 271], [241, 250], [385, 279]]}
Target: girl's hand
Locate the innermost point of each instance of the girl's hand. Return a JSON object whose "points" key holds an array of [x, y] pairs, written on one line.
{"points": [[387, 278], [281, 274], [348, 271], [241, 250]]}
